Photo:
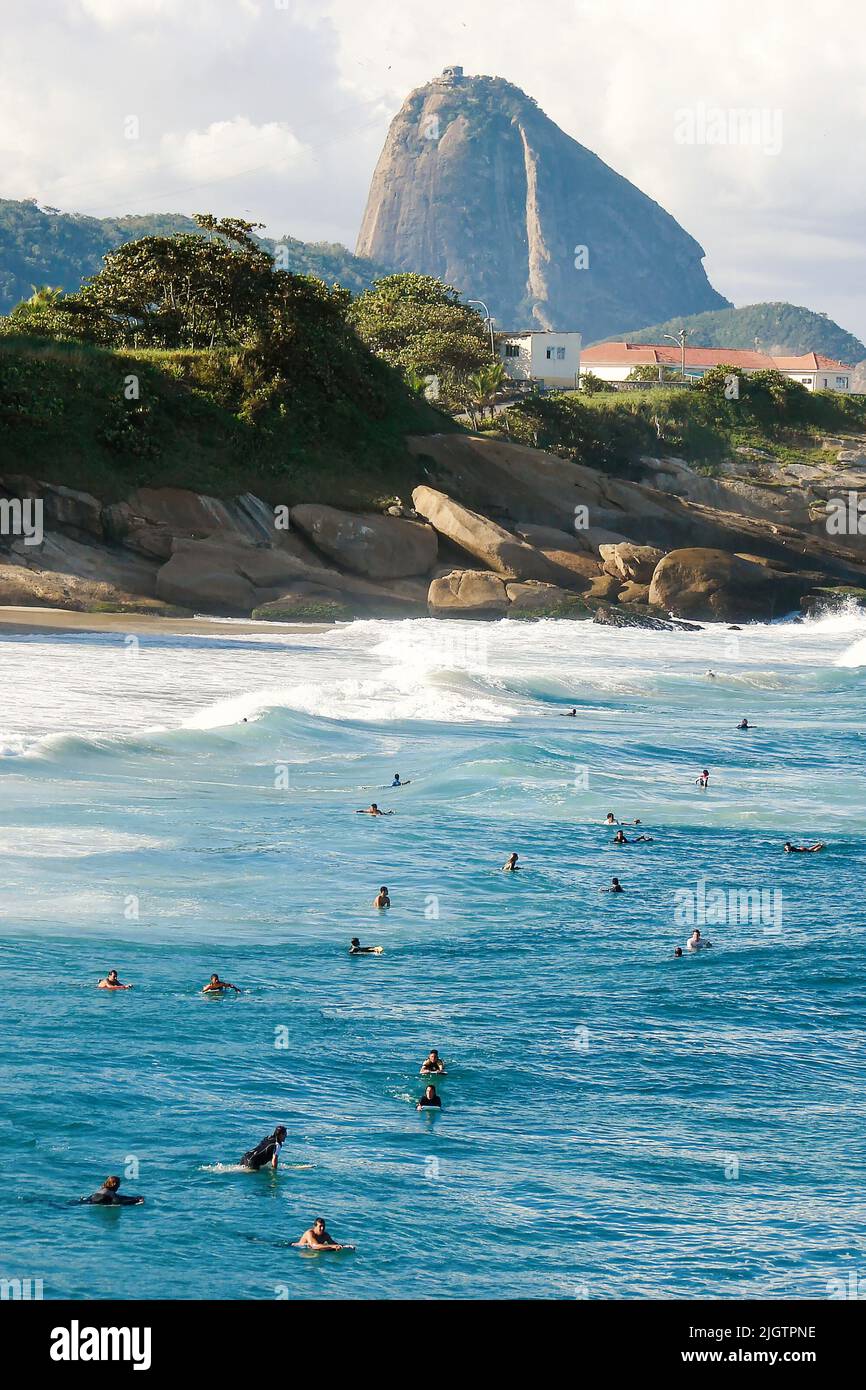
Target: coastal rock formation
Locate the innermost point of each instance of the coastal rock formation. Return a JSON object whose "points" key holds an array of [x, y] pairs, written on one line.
{"points": [[468, 594], [477, 186], [627, 561], [532, 596], [498, 549], [380, 547], [711, 584]]}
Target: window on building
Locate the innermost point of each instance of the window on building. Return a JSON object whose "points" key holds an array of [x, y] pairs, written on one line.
{"points": [[807, 381], [512, 349], [560, 354], [550, 352], [841, 381]]}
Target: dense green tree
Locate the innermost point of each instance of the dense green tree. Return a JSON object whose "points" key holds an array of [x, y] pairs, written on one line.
{"points": [[418, 323]]}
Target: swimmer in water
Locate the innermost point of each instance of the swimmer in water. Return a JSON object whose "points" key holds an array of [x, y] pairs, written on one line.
{"points": [[397, 783], [108, 1196], [373, 810], [433, 1063], [620, 839], [317, 1238], [569, 713], [216, 986], [610, 819], [703, 781], [382, 898], [711, 675], [678, 950], [266, 1153], [511, 865], [696, 942], [429, 1100], [615, 887], [111, 982], [744, 724], [803, 849], [356, 949]]}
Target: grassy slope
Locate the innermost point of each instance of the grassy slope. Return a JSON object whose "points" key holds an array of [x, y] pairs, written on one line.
{"points": [[63, 418], [608, 430]]}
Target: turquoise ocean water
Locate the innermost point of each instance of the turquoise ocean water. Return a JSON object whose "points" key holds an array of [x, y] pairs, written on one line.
{"points": [[616, 1122]]}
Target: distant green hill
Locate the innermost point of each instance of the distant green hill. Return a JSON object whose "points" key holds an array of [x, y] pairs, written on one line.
{"points": [[779, 328], [41, 246]]}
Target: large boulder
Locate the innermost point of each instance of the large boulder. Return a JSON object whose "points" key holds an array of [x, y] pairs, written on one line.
{"points": [[380, 547], [204, 579], [64, 508], [628, 561], [710, 584], [500, 550], [468, 594], [533, 596]]}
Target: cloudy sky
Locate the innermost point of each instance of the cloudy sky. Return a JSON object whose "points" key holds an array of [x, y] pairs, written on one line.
{"points": [[277, 110]]}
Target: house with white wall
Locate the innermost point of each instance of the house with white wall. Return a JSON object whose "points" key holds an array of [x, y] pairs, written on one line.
{"points": [[551, 359], [614, 361]]}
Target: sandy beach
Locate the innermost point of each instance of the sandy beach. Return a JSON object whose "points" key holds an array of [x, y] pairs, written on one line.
{"points": [[15, 621]]}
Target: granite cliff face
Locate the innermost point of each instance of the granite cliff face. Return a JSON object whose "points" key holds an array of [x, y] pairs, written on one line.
{"points": [[477, 186]]}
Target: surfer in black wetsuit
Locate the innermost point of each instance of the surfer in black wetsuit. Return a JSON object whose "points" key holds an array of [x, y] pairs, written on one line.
{"points": [[108, 1196], [620, 839], [615, 887], [569, 713], [744, 723], [429, 1100], [356, 949], [267, 1151], [803, 849]]}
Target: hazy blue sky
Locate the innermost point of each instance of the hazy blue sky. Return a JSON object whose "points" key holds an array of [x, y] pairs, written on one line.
{"points": [[277, 110]]}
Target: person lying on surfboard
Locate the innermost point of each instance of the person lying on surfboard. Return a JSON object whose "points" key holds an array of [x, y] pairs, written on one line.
{"points": [[356, 949], [397, 783], [373, 810], [216, 986], [620, 839], [429, 1100], [317, 1237], [803, 849], [432, 1063], [108, 1196], [111, 982]]}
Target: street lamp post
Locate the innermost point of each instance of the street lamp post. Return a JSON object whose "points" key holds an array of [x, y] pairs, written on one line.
{"points": [[680, 340], [489, 322]]}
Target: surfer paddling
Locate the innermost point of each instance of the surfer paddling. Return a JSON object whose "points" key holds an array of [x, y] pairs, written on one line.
{"points": [[109, 1196], [217, 986], [317, 1237], [356, 949], [111, 982], [803, 849], [373, 810]]}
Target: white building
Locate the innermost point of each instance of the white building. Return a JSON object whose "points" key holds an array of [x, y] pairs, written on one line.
{"points": [[552, 359], [614, 362]]}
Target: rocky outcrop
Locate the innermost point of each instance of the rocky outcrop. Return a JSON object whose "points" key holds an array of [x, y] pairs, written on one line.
{"points": [[535, 597], [710, 584], [498, 549], [379, 547], [630, 562], [477, 186], [468, 594], [234, 577]]}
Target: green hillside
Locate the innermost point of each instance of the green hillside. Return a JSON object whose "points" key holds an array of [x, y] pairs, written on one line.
{"points": [[779, 328], [45, 247]]}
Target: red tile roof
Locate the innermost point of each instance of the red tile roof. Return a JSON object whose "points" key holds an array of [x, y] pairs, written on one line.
{"points": [[660, 354]]}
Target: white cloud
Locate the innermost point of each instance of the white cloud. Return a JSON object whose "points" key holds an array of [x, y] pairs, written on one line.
{"points": [[278, 112]]}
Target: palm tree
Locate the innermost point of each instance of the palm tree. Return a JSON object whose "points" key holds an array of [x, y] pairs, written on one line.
{"points": [[484, 385]]}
